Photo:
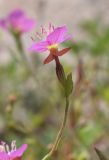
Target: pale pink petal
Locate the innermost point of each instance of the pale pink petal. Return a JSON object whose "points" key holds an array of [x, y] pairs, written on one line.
{"points": [[27, 25], [16, 14], [39, 47], [57, 36], [24, 24], [67, 37], [4, 156], [19, 152], [3, 24], [20, 22]]}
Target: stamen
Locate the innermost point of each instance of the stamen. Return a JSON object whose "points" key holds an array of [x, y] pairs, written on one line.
{"points": [[13, 146], [3, 143], [43, 31], [50, 27], [2, 148], [38, 35], [53, 27], [7, 149], [33, 39]]}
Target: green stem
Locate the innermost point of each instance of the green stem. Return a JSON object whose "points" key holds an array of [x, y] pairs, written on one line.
{"points": [[24, 57], [60, 133]]}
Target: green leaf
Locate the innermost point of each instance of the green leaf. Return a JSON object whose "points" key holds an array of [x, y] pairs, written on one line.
{"points": [[105, 93], [68, 85], [100, 154], [89, 133]]}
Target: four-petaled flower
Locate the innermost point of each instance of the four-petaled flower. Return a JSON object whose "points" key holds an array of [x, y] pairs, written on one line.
{"points": [[53, 39], [13, 154], [17, 21]]}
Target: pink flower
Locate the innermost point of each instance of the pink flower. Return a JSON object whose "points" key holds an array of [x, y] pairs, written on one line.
{"points": [[13, 154], [3, 23], [17, 21], [53, 39]]}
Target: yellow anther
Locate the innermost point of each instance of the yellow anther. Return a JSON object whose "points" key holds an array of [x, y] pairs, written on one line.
{"points": [[54, 46]]}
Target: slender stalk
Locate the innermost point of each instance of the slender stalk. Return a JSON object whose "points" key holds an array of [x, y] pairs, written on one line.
{"points": [[60, 133], [24, 57]]}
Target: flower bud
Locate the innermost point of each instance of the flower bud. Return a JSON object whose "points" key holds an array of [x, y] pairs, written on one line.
{"points": [[60, 72]]}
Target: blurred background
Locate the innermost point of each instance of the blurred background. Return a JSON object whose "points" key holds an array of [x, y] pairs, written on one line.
{"points": [[31, 99]]}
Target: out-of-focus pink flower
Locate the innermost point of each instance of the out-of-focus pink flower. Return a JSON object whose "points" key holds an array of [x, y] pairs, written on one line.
{"points": [[18, 22], [53, 39], [3, 23], [13, 154]]}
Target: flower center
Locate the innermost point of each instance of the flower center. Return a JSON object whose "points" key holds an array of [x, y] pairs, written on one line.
{"points": [[53, 46], [5, 148]]}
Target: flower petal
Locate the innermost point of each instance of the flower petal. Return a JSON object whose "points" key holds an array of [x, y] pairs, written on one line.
{"points": [[24, 24], [28, 24], [57, 36], [4, 156], [3, 24], [19, 152], [39, 47], [67, 37], [16, 14]]}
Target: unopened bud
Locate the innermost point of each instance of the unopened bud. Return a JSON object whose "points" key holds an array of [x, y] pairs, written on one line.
{"points": [[60, 72]]}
